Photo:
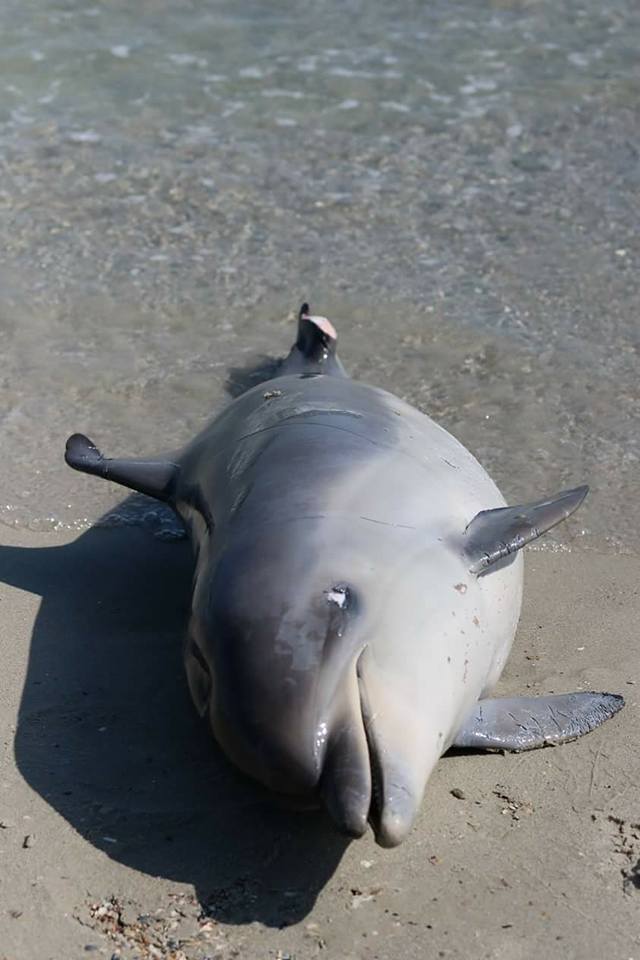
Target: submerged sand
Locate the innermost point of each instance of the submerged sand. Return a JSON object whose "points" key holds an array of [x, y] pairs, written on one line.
{"points": [[124, 833]]}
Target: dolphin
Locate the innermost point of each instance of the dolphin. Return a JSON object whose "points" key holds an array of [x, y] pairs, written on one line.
{"points": [[357, 589]]}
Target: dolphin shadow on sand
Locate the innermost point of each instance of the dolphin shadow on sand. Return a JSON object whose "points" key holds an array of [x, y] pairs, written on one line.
{"points": [[108, 736], [242, 378]]}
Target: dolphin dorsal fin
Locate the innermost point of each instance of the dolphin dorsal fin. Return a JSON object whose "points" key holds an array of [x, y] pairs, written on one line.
{"points": [[495, 534], [155, 478]]}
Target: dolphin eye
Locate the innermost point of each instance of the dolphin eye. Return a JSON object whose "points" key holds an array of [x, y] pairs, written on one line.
{"points": [[339, 595]]}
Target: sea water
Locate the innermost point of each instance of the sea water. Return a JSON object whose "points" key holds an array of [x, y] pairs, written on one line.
{"points": [[455, 184]]}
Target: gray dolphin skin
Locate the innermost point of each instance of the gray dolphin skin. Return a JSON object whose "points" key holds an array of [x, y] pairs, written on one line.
{"points": [[357, 590]]}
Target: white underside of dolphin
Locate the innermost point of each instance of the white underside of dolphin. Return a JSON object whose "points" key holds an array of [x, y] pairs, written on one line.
{"points": [[357, 592]]}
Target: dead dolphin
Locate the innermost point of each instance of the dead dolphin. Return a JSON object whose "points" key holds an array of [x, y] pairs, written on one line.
{"points": [[357, 590]]}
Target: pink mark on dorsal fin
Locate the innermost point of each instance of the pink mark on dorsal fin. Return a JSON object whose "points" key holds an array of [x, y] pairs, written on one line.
{"points": [[323, 324]]}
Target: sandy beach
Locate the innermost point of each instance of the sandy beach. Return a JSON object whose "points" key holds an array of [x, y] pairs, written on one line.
{"points": [[124, 832]]}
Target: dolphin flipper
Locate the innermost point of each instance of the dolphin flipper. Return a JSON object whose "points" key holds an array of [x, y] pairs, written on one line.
{"points": [[156, 478], [493, 535], [524, 723]]}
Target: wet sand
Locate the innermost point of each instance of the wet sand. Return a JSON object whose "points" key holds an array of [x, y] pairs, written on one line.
{"points": [[123, 832]]}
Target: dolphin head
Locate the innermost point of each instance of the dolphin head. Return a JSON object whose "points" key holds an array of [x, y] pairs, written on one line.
{"points": [[315, 689]]}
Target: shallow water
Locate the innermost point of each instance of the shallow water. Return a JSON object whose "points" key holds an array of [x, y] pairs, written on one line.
{"points": [[456, 185]]}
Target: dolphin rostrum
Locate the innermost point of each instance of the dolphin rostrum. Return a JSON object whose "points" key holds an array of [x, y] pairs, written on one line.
{"points": [[357, 589]]}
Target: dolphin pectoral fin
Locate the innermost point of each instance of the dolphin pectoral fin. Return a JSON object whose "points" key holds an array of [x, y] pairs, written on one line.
{"points": [[155, 478], [524, 723], [493, 535]]}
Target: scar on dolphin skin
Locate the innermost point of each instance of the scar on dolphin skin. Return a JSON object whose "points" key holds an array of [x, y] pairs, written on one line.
{"points": [[385, 523], [314, 648]]}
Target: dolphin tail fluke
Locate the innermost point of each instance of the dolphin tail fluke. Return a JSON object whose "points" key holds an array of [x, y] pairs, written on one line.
{"points": [[317, 336], [155, 478], [494, 535], [315, 348], [524, 723]]}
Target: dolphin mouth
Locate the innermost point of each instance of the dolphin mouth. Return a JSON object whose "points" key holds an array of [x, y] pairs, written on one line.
{"points": [[375, 767], [375, 764]]}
